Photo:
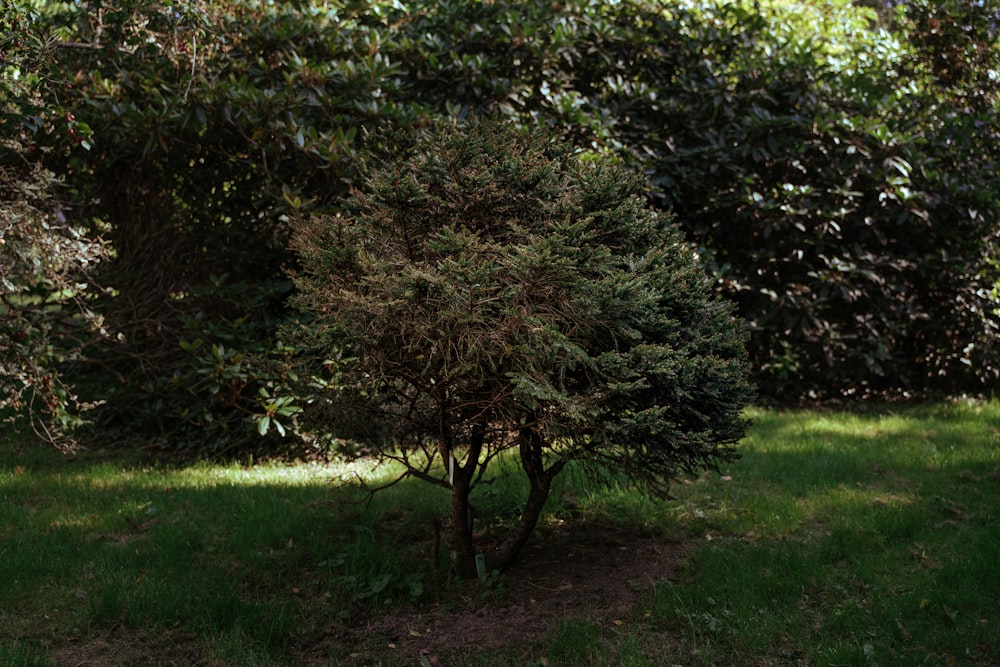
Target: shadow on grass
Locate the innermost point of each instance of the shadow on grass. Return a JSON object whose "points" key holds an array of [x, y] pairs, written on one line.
{"points": [[277, 557]]}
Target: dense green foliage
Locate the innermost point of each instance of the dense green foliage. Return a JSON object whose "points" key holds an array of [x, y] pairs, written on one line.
{"points": [[848, 198], [199, 149], [44, 260], [487, 291], [840, 179]]}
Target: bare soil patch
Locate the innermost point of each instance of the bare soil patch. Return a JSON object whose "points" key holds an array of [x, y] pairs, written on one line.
{"points": [[588, 572]]}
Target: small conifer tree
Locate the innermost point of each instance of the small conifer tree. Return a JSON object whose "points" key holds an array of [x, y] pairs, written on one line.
{"points": [[489, 291]]}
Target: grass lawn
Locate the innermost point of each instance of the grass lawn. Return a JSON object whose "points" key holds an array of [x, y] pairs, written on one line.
{"points": [[837, 539]]}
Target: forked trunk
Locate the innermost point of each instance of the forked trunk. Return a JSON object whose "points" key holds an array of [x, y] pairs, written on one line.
{"points": [[462, 516]]}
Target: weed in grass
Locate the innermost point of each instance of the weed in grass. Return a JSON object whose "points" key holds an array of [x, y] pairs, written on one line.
{"points": [[242, 648], [635, 651]]}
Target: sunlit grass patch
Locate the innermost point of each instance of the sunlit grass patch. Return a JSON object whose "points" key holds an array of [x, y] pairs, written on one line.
{"points": [[853, 539], [221, 550]]}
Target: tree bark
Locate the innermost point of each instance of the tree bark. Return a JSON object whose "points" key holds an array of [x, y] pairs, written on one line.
{"points": [[461, 527], [540, 479], [503, 556], [462, 518]]}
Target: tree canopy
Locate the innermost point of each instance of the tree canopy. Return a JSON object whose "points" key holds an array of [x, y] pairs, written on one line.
{"points": [[487, 290]]}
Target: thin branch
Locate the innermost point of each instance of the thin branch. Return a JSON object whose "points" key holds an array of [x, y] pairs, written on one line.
{"points": [[194, 60], [372, 490], [90, 46]]}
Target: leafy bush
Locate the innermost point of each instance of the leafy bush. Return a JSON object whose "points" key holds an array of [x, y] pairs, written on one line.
{"points": [[45, 317], [213, 126], [841, 181], [849, 204], [843, 188], [488, 291]]}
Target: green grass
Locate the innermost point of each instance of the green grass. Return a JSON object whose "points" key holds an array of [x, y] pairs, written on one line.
{"points": [[837, 539], [847, 540], [21, 654], [219, 553]]}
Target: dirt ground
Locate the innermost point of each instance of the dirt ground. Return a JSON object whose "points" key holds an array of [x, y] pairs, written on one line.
{"points": [[589, 572]]}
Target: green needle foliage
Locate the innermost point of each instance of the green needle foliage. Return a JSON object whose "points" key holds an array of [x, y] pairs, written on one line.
{"points": [[488, 290]]}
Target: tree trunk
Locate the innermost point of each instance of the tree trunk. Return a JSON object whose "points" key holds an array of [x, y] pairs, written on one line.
{"points": [[530, 449], [461, 527], [462, 518], [502, 557]]}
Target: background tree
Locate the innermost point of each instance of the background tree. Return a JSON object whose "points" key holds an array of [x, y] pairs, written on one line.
{"points": [[488, 292], [217, 120], [842, 191], [840, 181]]}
